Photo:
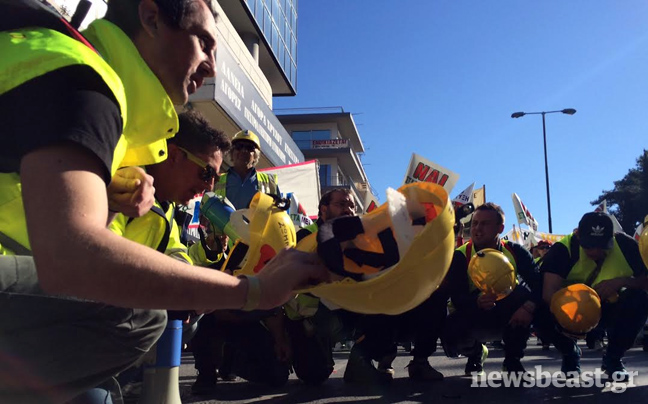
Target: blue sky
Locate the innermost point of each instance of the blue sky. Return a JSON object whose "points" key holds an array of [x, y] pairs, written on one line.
{"points": [[442, 77]]}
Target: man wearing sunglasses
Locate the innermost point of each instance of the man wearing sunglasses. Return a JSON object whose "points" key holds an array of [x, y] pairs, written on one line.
{"points": [[195, 156], [242, 181]]}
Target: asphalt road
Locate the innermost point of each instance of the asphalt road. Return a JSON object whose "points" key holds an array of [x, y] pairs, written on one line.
{"points": [[455, 389]]}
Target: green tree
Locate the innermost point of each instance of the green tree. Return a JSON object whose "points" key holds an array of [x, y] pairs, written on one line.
{"points": [[628, 200]]}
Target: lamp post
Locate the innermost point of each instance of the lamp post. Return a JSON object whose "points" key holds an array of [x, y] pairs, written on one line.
{"points": [[568, 111]]}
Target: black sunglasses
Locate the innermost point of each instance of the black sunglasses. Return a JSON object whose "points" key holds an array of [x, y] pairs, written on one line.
{"points": [[248, 147], [208, 172]]}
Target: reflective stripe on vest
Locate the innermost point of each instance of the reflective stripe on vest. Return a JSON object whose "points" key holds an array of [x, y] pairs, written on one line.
{"points": [[503, 247], [614, 266]]}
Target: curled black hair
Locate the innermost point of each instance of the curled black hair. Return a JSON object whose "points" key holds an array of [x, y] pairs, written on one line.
{"points": [[197, 135], [125, 13]]}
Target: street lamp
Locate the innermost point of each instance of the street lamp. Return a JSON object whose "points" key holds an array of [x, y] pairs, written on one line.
{"points": [[568, 111]]}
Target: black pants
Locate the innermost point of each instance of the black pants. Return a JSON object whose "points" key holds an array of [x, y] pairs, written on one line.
{"points": [[248, 343], [622, 320], [467, 329], [422, 325], [312, 341]]}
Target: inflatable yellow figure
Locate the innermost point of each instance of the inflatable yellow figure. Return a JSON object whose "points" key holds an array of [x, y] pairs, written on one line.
{"points": [[262, 230], [390, 260]]}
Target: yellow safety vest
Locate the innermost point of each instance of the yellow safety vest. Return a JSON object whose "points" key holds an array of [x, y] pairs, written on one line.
{"points": [[266, 184], [504, 247], [303, 305], [614, 266], [32, 52], [155, 229]]}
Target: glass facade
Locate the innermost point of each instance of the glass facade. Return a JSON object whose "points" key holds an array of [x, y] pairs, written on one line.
{"points": [[278, 22], [303, 137]]}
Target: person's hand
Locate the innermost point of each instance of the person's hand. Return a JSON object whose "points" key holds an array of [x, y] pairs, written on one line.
{"points": [[609, 288], [287, 272], [521, 318], [131, 192], [486, 301]]}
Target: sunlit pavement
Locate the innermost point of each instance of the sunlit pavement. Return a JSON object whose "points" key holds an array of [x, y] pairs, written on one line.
{"points": [[456, 388]]}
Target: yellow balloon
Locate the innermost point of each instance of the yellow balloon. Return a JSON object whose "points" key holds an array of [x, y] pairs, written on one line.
{"points": [[492, 272], [421, 267], [577, 308]]}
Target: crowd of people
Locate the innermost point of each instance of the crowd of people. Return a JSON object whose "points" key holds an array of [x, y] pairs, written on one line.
{"points": [[93, 262]]}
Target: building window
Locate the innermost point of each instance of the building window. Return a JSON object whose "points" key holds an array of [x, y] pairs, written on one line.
{"points": [[303, 138], [325, 175]]}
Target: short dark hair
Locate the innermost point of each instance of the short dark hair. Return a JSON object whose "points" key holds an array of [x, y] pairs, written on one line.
{"points": [[197, 135], [492, 207], [125, 13], [326, 198]]}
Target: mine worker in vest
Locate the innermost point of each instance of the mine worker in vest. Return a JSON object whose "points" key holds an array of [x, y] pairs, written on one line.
{"points": [[73, 112], [479, 317], [539, 250], [312, 327], [195, 156], [378, 336], [242, 181], [610, 264]]}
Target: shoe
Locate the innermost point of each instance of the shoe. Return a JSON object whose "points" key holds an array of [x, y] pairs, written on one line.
{"points": [[227, 376], [385, 364], [545, 347], [613, 367], [571, 364], [421, 371], [512, 365], [475, 365], [362, 371], [205, 384], [596, 344]]}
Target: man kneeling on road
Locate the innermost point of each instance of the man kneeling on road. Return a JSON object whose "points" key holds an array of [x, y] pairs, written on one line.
{"points": [[610, 264], [479, 317]]}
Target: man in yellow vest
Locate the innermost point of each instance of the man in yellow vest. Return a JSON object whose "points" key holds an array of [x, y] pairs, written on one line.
{"points": [[312, 327], [611, 264], [380, 335], [242, 181], [479, 317], [71, 118], [195, 157]]}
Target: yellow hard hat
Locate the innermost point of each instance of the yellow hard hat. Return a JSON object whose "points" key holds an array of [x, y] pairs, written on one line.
{"points": [[249, 136], [420, 219], [492, 272], [577, 309], [643, 242], [270, 231]]}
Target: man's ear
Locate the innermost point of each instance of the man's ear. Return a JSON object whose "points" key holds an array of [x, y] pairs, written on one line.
{"points": [[500, 229], [175, 154], [324, 212], [149, 15]]}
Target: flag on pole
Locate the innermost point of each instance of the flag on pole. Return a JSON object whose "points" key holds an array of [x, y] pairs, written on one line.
{"points": [[466, 196], [523, 214], [479, 196], [638, 231]]}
